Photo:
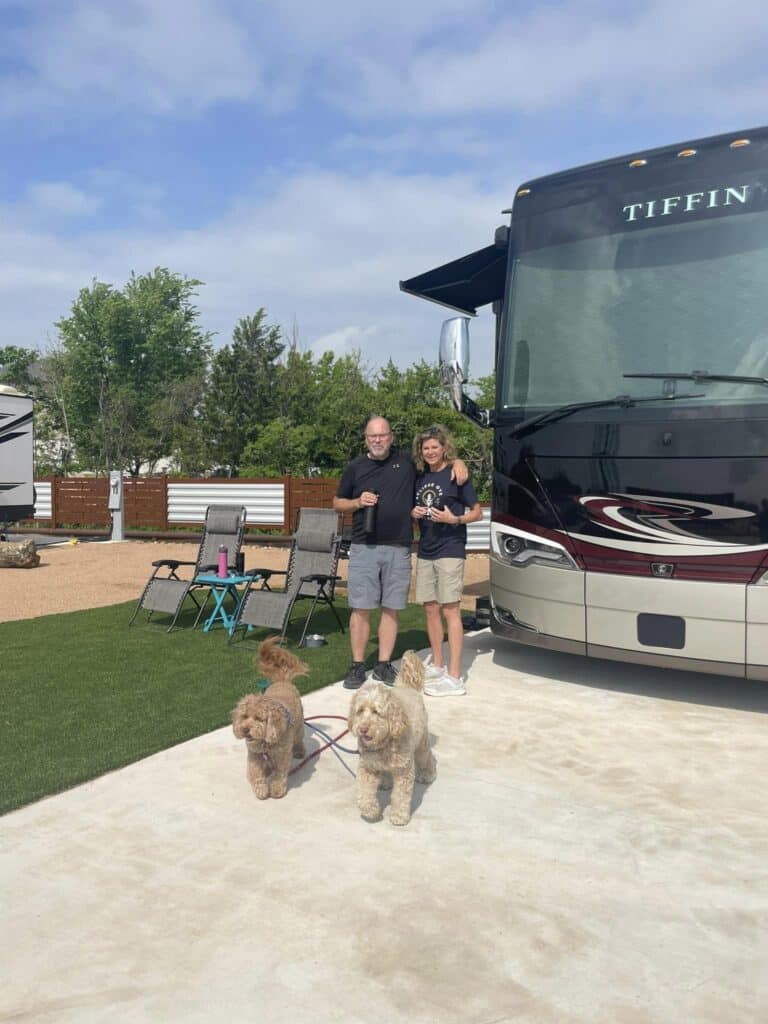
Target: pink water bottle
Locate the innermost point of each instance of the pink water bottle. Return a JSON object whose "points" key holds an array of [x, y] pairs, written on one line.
{"points": [[223, 569]]}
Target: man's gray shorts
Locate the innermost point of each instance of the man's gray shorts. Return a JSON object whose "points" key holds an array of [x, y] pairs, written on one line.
{"points": [[379, 574]]}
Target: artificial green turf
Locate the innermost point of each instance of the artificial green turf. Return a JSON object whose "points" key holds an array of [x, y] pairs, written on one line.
{"points": [[83, 694]]}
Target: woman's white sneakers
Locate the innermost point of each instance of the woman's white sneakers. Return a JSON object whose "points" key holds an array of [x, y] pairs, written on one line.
{"points": [[444, 685], [434, 672]]}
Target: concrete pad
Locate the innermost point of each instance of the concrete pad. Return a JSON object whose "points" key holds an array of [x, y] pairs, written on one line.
{"points": [[594, 849]]}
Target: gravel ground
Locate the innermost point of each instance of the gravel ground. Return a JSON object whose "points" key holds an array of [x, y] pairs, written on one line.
{"points": [[75, 575]]}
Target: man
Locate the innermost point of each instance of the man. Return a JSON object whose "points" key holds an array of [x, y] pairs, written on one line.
{"points": [[382, 481]]}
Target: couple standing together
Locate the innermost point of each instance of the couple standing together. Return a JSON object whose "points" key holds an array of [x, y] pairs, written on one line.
{"points": [[431, 486]]}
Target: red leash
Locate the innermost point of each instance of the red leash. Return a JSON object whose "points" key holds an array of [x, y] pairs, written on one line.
{"points": [[325, 746]]}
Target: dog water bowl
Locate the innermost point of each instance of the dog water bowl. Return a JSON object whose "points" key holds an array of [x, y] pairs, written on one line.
{"points": [[315, 640]]}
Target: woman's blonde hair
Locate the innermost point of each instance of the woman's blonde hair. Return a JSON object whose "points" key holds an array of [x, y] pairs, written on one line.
{"points": [[434, 433]]}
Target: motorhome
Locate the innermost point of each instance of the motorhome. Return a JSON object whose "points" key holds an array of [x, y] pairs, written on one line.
{"points": [[630, 495], [17, 489]]}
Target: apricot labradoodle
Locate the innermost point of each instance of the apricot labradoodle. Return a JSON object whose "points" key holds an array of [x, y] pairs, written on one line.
{"points": [[392, 732], [272, 723]]}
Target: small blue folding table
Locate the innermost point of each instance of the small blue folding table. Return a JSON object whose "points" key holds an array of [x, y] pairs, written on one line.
{"points": [[221, 588]]}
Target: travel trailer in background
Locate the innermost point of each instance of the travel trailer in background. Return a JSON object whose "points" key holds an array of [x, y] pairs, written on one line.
{"points": [[630, 494], [17, 490]]}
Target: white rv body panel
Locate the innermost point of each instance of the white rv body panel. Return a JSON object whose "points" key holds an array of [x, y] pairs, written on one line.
{"points": [[17, 442]]}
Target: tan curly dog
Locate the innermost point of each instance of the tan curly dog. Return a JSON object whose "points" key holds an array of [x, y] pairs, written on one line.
{"points": [[392, 732], [272, 723]]}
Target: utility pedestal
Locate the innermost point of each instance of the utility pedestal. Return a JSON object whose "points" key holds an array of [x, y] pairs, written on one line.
{"points": [[116, 504]]}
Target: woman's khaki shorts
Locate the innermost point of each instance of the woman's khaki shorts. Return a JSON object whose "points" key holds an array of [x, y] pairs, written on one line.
{"points": [[439, 579]]}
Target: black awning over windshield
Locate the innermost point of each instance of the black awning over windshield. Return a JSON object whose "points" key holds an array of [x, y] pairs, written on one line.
{"points": [[466, 283]]}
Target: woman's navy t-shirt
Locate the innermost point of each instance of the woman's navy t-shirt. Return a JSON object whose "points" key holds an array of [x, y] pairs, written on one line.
{"points": [[443, 540]]}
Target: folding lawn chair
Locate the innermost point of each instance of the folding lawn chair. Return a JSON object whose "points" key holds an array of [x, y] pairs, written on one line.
{"points": [[311, 573], [166, 591]]}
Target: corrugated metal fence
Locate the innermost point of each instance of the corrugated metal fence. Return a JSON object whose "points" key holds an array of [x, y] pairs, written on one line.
{"points": [[265, 502], [43, 490], [158, 503], [479, 533]]}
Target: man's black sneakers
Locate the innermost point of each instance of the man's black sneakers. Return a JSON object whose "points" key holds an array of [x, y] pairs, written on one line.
{"points": [[384, 673], [355, 676]]}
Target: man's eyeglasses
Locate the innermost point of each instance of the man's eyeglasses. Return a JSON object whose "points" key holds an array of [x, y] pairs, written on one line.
{"points": [[378, 437]]}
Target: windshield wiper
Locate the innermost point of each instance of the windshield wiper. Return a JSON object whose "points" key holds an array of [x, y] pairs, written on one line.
{"points": [[700, 377], [624, 401]]}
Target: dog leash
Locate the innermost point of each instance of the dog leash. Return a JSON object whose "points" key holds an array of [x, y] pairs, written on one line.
{"points": [[332, 742]]}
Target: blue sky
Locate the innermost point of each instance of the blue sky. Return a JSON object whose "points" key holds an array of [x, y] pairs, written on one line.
{"points": [[305, 157]]}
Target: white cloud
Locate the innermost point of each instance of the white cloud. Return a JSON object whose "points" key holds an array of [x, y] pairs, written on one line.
{"points": [[387, 31], [176, 56], [439, 141], [344, 340], [326, 250], [551, 56], [434, 60], [427, 83], [59, 198]]}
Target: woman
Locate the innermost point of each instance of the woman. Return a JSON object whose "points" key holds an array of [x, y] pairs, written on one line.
{"points": [[443, 508]]}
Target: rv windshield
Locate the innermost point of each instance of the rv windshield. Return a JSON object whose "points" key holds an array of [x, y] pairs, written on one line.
{"points": [[676, 297]]}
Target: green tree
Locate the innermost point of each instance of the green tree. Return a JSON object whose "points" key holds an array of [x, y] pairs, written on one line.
{"points": [[297, 386], [411, 399], [39, 375], [281, 447], [414, 398], [344, 397], [15, 368], [323, 405], [242, 390], [178, 417], [53, 440], [127, 354]]}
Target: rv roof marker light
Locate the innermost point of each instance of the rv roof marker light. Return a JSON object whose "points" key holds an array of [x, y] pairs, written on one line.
{"points": [[739, 143], [523, 192], [640, 162], [687, 152]]}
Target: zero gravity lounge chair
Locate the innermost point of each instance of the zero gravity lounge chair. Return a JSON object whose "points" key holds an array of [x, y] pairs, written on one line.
{"points": [[166, 590], [311, 573]]}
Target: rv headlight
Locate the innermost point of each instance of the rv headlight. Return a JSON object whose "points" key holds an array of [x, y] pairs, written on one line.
{"points": [[513, 547]]}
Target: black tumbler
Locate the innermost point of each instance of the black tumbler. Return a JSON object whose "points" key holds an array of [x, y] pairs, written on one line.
{"points": [[239, 563], [369, 517]]}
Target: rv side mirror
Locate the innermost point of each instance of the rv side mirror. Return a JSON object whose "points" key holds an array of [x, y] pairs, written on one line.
{"points": [[454, 356], [454, 369], [454, 350]]}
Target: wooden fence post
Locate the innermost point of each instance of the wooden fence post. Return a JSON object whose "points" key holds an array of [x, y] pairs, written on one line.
{"points": [[55, 502], [287, 505], [165, 500]]}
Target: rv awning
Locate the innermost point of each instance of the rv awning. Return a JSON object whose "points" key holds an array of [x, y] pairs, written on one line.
{"points": [[466, 283]]}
